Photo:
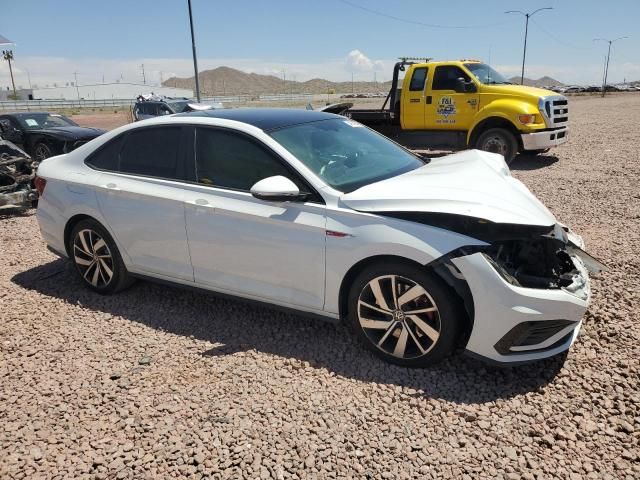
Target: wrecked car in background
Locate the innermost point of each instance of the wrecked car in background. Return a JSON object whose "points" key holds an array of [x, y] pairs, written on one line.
{"points": [[150, 106], [43, 134], [17, 173]]}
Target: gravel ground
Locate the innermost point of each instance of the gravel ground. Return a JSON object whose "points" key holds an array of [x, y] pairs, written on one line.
{"points": [[158, 382]]}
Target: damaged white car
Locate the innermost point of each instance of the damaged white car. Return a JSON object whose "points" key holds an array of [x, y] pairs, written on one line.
{"points": [[319, 214]]}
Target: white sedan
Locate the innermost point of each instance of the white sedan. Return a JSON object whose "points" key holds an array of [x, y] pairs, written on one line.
{"points": [[314, 212]]}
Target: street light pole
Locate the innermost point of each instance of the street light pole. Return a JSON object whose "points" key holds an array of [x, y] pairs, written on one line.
{"points": [[526, 32], [193, 47], [8, 56], [606, 67]]}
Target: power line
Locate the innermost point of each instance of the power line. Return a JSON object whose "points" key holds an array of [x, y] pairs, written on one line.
{"points": [[415, 22], [553, 37]]}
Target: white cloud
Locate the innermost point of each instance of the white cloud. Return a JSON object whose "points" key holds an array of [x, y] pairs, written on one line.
{"points": [[356, 61]]}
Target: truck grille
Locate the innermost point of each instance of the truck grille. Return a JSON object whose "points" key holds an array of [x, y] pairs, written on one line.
{"points": [[557, 111]]}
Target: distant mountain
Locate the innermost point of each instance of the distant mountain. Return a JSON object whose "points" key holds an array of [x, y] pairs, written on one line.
{"points": [[229, 81], [541, 82]]}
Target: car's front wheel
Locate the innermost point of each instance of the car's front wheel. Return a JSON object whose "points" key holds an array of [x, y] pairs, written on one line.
{"points": [[41, 151], [97, 259], [404, 314]]}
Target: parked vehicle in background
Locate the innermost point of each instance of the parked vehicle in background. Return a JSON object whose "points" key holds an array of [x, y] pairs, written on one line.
{"points": [[467, 104], [317, 213], [155, 106], [43, 134], [17, 172]]}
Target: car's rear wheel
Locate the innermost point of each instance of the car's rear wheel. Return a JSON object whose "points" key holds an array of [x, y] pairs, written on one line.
{"points": [[404, 314], [41, 151], [498, 140], [97, 259]]}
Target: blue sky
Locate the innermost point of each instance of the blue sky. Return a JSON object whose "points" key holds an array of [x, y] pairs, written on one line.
{"points": [[306, 39]]}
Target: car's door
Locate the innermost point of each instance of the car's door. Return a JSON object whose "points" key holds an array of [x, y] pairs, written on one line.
{"points": [[414, 100], [266, 250], [450, 110], [140, 194]]}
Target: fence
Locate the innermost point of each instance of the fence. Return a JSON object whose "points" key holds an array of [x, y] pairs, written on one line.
{"points": [[34, 105]]}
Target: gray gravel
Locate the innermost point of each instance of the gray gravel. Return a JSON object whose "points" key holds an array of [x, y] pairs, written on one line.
{"points": [[158, 382]]}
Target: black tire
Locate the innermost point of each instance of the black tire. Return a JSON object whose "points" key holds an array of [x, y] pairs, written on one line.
{"points": [[498, 140], [42, 151], [381, 332], [101, 258]]}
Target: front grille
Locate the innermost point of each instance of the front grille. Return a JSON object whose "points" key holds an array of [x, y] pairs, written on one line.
{"points": [[557, 111]]}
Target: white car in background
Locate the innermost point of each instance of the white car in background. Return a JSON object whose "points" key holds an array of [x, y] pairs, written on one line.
{"points": [[314, 212]]}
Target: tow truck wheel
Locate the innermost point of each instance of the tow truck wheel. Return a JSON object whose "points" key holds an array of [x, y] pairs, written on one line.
{"points": [[498, 140]]}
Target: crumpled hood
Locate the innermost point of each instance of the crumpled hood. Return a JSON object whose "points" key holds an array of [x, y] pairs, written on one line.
{"points": [[71, 132], [472, 183]]}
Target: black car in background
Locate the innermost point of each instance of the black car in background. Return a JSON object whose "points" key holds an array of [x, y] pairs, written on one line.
{"points": [[44, 134]]}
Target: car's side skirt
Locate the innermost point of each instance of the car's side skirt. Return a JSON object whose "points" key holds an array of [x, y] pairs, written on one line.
{"points": [[293, 309]]}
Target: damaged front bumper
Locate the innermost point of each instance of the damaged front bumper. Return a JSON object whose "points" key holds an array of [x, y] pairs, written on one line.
{"points": [[514, 324]]}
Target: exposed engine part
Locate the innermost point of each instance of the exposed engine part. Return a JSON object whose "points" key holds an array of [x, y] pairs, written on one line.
{"points": [[17, 171], [537, 263]]}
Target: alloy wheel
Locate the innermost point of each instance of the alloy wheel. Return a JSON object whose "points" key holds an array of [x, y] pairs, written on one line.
{"points": [[399, 316], [42, 152], [93, 258]]}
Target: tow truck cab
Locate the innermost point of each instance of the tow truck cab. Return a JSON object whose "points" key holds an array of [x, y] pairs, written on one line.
{"points": [[467, 104]]}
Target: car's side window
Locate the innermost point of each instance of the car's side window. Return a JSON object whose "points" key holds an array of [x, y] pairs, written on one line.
{"points": [[152, 152], [418, 79], [231, 160], [445, 77], [107, 157]]}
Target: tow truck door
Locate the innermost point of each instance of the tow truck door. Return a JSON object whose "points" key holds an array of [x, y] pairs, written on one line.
{"points": [[413, 99], [447, 109]]}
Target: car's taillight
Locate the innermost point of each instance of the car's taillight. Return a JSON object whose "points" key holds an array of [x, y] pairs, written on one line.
{"points": [[40, 183]]}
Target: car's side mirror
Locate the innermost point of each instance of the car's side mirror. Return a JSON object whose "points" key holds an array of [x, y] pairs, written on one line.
{"points": [[277, 189], [465, 87]]}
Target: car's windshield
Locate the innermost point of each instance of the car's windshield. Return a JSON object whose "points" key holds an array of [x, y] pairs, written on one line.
{"points": [[33, 121], [178, 107], [346, 154], [485, 74]]}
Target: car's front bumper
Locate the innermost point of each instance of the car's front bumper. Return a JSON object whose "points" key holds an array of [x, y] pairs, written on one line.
{"points": [[514, 324], [544, 140]]}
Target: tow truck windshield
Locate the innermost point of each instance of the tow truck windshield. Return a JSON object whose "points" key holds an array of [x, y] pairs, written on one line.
{"points": [[485, 74]]}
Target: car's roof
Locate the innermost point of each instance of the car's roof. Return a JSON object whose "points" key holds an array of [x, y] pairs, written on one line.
{"points": [[26, 114], [266, 119]]}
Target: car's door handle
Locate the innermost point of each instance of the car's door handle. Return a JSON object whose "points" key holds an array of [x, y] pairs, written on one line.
{"points": [[111, 186], [428, 99], [201, 201]]}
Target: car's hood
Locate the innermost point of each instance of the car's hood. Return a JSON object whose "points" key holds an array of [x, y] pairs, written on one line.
{"points": [[471, 183], [71, 132]]}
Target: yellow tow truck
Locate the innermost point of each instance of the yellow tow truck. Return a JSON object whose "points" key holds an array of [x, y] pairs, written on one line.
{"points": [[465, 104]]}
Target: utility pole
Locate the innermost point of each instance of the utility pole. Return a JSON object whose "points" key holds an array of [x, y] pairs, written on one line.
{"points": [[28, 78], [8, 56], [144, 78], [75, 74], [193, 48], [352, 82], [606, 68], [526, 31]]}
